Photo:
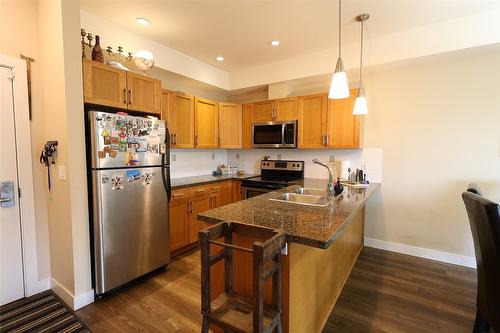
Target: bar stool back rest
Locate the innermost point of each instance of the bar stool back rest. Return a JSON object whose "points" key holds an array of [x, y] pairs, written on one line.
{"points": [[266, 264]]}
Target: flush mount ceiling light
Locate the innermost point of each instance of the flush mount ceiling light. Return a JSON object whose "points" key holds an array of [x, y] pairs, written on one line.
{"points": [[339, 88], [275, 42], [142, 21], [144, 60], [360, 106], [219, 58]]}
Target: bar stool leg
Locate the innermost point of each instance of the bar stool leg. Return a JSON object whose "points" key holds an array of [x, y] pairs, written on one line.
{"points": [[204, 327], [278, 326]]}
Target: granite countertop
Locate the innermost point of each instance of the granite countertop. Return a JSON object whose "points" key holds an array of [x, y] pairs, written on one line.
{"points": [[204, 179], [308, 225]]}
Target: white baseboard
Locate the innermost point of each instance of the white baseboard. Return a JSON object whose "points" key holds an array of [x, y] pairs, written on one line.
{"points": [[421, 252], [74, 302], [44, 284]]}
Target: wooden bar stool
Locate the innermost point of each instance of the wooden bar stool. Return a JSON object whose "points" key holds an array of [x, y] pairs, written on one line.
{"points": [[230, 311]]}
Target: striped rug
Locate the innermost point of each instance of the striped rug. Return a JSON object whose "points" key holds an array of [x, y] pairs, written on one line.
{"points": [[41, 313]]}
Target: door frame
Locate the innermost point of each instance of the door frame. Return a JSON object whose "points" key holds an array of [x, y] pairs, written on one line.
{"points": [[25, 173]]}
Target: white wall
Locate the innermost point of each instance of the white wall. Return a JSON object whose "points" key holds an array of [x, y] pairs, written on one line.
{"points": [[195, 162], [249, 160], [438, 126]]}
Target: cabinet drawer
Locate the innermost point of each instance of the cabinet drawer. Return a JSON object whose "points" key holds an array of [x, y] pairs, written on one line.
{"points": [[199, 191], [180, 194]]}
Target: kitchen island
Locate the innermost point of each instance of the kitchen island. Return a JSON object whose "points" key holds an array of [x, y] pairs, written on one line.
{"points": [[323, 244]]}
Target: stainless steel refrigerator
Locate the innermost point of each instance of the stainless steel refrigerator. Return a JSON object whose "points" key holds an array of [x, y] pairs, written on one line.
{"points": [[128, 161]]}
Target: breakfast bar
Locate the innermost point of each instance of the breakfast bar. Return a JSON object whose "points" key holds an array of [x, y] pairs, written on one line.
{"points": [[323, 244]]}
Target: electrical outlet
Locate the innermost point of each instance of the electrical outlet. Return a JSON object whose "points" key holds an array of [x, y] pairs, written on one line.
{"points": [[174, 157], [213, 156], [237, 156], [332, 159]]}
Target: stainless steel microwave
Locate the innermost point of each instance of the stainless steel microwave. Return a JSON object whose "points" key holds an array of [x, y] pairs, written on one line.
{"points": [[278, 134]]}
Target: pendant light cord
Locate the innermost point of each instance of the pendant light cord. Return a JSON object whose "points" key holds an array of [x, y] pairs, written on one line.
{"points": [[340, 28], [361, 56]]}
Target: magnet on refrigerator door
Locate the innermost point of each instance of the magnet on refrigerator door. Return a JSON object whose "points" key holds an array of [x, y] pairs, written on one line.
{"points": [[117, 181]]}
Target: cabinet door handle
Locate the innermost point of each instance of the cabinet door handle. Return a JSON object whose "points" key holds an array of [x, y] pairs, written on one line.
{"points": [[125, 101], [130, 96], [326, 139], [177, 195], [196, 140], [189, 208], [200, 191]]}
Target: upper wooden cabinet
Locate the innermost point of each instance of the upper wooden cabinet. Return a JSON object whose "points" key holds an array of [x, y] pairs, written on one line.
{"points": [[312, 121], [327, 123], [247, 125], [166, 106], [181, 120], [276, 110], [230, 128], [144, 93], [285, 109], [109, 86], [206, 123], [342, 126], [104, 85], [263, 111]]}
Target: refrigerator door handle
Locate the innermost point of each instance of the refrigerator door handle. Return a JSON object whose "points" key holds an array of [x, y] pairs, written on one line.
{"points": [[165, 158]]}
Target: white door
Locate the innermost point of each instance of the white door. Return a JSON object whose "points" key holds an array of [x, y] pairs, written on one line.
{"points": [[11, 264]]}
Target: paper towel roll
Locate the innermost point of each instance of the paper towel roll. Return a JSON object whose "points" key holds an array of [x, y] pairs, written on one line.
{"points": [[344, 166]]}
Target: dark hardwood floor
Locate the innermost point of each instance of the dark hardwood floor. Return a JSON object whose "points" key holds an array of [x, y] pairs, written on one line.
{"points": [[386, 292]]}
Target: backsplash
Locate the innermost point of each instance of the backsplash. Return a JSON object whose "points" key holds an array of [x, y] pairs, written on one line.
{"points": [[195, 162], [249, 160]]}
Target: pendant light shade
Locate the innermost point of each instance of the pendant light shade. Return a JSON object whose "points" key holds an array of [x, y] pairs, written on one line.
{"points": [[360, 106], [339, 88]]}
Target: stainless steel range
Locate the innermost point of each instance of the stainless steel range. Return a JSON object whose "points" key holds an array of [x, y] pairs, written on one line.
{"points": [[275, 174]]}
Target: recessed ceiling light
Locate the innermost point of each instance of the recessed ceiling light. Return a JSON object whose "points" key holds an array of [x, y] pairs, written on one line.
{"points": [[219, 58], [142, 21], [275, 42]]}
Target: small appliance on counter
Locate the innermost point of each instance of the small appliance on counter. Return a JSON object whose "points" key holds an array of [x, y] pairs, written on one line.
{"points": [[129, 192], [275, 174]]}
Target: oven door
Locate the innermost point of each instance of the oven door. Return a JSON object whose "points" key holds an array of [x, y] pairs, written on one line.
{"points": [[250, 192], [274, 134]]}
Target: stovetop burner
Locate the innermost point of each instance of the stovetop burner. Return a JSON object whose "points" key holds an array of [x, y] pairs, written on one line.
{"points": [[276, 174]]}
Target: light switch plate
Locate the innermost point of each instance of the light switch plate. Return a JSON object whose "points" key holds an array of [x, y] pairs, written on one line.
{"points": [[61, 172], [213, 156]]}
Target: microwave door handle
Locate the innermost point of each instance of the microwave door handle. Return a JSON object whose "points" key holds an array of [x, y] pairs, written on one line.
{"points": [[283, 126]]}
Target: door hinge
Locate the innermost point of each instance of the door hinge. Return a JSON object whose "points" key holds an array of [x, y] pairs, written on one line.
{"points": [[12, 74], [19, 192]]}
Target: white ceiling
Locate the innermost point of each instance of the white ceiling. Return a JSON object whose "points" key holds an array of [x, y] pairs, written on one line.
{"points": [[241, 30]]}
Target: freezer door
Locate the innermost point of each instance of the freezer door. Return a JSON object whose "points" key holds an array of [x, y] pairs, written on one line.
{"points": [[121, 141], [130, 223]]}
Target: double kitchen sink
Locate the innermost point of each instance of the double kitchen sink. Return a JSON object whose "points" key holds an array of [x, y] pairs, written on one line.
{"points": [[305, 196]]}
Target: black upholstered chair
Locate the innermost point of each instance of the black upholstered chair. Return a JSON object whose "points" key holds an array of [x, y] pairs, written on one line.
{"points": [[484, 219]]}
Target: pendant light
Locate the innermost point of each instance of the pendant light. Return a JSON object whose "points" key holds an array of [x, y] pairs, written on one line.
{"points": [[339, 88], [360, 106]]}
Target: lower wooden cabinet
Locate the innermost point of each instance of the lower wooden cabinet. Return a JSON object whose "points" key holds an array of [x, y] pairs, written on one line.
{"points": [[187, 203]]}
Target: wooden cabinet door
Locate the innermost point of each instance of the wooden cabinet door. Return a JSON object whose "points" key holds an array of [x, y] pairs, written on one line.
{"points": [[144, 93], [263, 111], [215, 195], [166, 106], [285, 109], [236, 191], [198, 205], [179, 224], [182, 121], [312, 121], [104, 85], [230, 125], [226, 193], [342, 126], [247, 126], [206, 123]]}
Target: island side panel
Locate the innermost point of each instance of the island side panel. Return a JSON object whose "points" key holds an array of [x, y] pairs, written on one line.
{"points": [[242, 276], [317, 276]]}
